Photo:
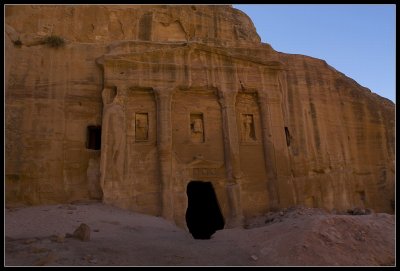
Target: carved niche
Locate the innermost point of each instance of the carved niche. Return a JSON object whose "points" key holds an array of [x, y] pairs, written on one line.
{"points": [[141, 127], [248, 130], [196, 127]]}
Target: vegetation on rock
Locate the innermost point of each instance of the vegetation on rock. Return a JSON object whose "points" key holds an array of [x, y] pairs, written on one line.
{"points": [[54, 41], [17, 43]]}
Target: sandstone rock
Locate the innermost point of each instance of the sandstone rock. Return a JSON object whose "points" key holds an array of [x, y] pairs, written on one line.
{"points": [[269, 220], [58, 238], [30, 241], [144, 99], [38, 250], [48, 259], [359, 211], [82, 232], [71, 207]]}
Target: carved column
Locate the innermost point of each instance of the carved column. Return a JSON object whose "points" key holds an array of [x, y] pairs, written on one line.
{"points": [[232, 158], [164, 145], [269, 150]]}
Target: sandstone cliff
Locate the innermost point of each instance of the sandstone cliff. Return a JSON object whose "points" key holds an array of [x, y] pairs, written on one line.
{"points": [[184, 93]]}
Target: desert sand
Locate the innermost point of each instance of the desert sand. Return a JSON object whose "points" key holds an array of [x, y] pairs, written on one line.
{"points": [[298, 236]]}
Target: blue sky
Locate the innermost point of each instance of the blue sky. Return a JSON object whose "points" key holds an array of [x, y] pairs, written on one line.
{"points": [[357, 40]]}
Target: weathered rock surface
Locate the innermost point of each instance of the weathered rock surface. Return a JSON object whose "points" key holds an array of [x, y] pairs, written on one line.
{"points": [[184, 93]]}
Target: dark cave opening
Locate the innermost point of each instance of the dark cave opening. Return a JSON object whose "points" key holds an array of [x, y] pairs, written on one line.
{"points": [[203, 215]]}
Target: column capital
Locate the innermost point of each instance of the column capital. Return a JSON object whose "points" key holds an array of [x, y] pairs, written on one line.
{"points": [[163, 92], [227, 98]]}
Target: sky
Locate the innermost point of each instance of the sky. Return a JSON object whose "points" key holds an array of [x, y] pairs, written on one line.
{"points": [[357, 40]]}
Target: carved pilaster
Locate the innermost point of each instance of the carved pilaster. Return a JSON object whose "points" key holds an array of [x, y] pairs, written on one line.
{"points": [[164, 145], [269, 150], [232, 158]]}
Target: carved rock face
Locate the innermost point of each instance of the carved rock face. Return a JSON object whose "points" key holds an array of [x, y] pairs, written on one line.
{"points": [[185, 93]]}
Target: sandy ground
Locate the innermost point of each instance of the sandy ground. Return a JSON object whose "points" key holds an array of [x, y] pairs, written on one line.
{"points": [[292, 237]]}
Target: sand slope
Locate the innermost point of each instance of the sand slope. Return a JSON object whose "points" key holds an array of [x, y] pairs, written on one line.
{"points": [[295, 236]]}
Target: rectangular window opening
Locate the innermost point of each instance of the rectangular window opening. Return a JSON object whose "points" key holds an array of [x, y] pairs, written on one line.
{"points": [[93, 141]]}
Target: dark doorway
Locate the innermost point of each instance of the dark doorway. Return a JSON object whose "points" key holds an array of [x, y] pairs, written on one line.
{"points": [[203, 215]]}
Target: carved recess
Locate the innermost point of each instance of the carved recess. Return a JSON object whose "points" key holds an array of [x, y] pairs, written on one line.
{"points": [[196, 127]]}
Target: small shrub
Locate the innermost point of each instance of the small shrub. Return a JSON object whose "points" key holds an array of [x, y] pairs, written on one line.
{"points": [[54, 41], [17, 43]]}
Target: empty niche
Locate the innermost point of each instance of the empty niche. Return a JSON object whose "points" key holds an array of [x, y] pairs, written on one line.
{"points": [[248, 131], [141, 126], [196, 127], [93, 140]]}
